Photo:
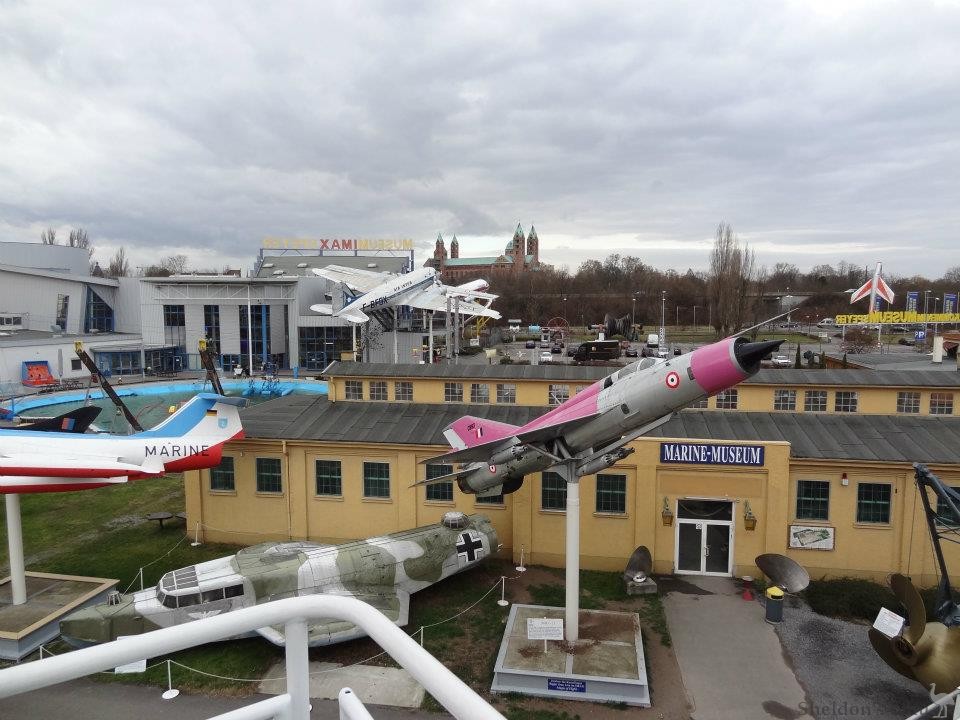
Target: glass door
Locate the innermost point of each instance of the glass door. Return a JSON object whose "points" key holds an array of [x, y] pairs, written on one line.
{"points": [[717, 549], [689, 547]]}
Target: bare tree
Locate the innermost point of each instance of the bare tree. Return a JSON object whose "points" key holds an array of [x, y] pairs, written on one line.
{"points": [[175, 264], [48, 236], [79, 239], [952, 276], [119, 265], [732, 272]]}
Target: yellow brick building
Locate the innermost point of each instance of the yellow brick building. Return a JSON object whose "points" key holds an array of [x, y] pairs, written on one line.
{"points": [[833, 490]]}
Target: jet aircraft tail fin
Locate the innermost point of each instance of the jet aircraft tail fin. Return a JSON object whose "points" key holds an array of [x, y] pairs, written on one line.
{"points": [[215, 417], [469, 432]]}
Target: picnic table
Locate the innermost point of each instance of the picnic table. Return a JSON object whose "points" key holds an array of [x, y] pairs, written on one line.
{"points": [[160, 517]]}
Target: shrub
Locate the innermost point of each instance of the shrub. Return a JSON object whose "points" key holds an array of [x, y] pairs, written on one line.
{"points": [[850, 598]]}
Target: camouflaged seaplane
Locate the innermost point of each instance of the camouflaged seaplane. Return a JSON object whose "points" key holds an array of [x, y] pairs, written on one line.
{"points": [[382, 571]]}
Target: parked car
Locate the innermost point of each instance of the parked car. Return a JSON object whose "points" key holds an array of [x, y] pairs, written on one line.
{"points": [[677, 350], [545, 355], [631, 352], [781, 361], [545, 345], [530, 345], [827, 323], [663, 353], [556, 350]]}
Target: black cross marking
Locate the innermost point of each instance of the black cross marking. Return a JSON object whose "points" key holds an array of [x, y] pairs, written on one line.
{"points": [[469, 544]]}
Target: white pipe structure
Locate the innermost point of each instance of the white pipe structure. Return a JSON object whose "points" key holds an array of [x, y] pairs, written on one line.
{"points": [[351, 708], [572, 624], [294, 613], [18, 572]]}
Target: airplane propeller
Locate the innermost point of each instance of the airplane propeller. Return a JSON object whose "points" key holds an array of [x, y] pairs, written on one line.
{"points": [[926, 652]]}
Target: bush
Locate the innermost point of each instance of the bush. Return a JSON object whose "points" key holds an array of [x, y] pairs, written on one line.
{"points": [[850, 598]]}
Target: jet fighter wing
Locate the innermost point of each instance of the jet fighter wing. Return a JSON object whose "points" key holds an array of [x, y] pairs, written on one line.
{"points": [[433, 298], [354, 278], [552, 432], [91, 466], [391, 601]]}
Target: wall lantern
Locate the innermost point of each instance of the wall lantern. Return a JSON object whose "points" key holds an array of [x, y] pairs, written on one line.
{"points": [[666, 513], [749, 519]]}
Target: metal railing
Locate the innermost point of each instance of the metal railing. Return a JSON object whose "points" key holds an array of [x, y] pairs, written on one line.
{"points": [[294, 614]]}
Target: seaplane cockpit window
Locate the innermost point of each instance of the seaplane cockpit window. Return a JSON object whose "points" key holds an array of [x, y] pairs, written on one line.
{"points": [[211, 595], [233, 591], [168, 601], [188, 600]]}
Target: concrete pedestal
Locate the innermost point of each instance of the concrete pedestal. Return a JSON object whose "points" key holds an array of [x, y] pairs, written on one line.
{"points": [[645, 587], [25, 627], [606, 664]]}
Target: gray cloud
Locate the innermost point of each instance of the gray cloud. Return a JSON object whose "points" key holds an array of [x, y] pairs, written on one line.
{"points": [[188, 126]]}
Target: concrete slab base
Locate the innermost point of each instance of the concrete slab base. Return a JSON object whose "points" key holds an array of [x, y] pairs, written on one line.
{"points": [[24, 628], [605, 665], [645, 587], [373, 685]]}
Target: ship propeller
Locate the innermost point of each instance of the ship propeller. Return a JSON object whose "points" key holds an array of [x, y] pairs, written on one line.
{"points": [[926, 652]]}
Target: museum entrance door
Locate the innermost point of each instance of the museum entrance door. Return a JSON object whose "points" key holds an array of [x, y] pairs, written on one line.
{"points": [[704, 542]]}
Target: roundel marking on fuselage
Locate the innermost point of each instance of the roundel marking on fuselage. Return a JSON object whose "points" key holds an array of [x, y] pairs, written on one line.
{"points": [[673, 380], [492, 468]]}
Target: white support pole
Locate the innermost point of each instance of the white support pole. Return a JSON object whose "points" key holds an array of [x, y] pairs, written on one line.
{"points": [[351, 707], [430, 341], [298, 669], [396, 358], [18, 576], [456, 330], [572, 624], [249, 332], [448, 337]]}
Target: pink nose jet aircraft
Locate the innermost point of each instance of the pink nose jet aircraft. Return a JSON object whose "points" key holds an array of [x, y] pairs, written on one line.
{"points": [[594, 427]]}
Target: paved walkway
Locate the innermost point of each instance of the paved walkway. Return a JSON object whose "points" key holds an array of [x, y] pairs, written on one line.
{"points": [[732, 662], [373, 684]]}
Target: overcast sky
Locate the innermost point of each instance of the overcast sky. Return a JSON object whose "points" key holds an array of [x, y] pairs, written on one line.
{"points": [[822, 131]]}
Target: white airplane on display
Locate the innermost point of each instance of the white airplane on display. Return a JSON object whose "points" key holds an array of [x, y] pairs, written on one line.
{"points": [[46, 460], [420, 289]]}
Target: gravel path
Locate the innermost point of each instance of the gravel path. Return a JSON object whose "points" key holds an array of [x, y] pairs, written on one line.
{"points": [[841, 673]]}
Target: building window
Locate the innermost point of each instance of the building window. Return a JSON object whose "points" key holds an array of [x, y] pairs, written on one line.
{"points": [[319, 346], [490, 499], [211, 328], [553, 491], [612, 494], [269, 479], [453, 392], [257, 336], [785, 400], [579, 389], [175, 326], [378, 390], [479, 393], [815, 401], [946, 516], [727, 399], [941, 403], [99, 315], [845, 401], [442, 491], [376, 480], [76, 365], [329, 478], [403, 390], [222, 477], [354, 389], [559, 394], [908, 402], [506, 393], [873, 503], [700, 404], [813, 499], [63, 307]]}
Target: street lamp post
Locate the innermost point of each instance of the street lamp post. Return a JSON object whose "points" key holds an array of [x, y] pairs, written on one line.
{"points": [[663, 309], [694, 318]]}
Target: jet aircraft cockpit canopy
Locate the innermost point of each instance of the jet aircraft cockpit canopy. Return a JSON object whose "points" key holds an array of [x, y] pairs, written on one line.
{"points": [[182, 588]]}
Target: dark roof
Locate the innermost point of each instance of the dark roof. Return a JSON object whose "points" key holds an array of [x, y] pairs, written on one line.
{"points": [[863, 378], [811, 435], [591, 373], [470, 371]]}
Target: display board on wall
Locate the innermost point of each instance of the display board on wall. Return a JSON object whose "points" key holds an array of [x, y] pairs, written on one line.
{"points": [[811, 537]]}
